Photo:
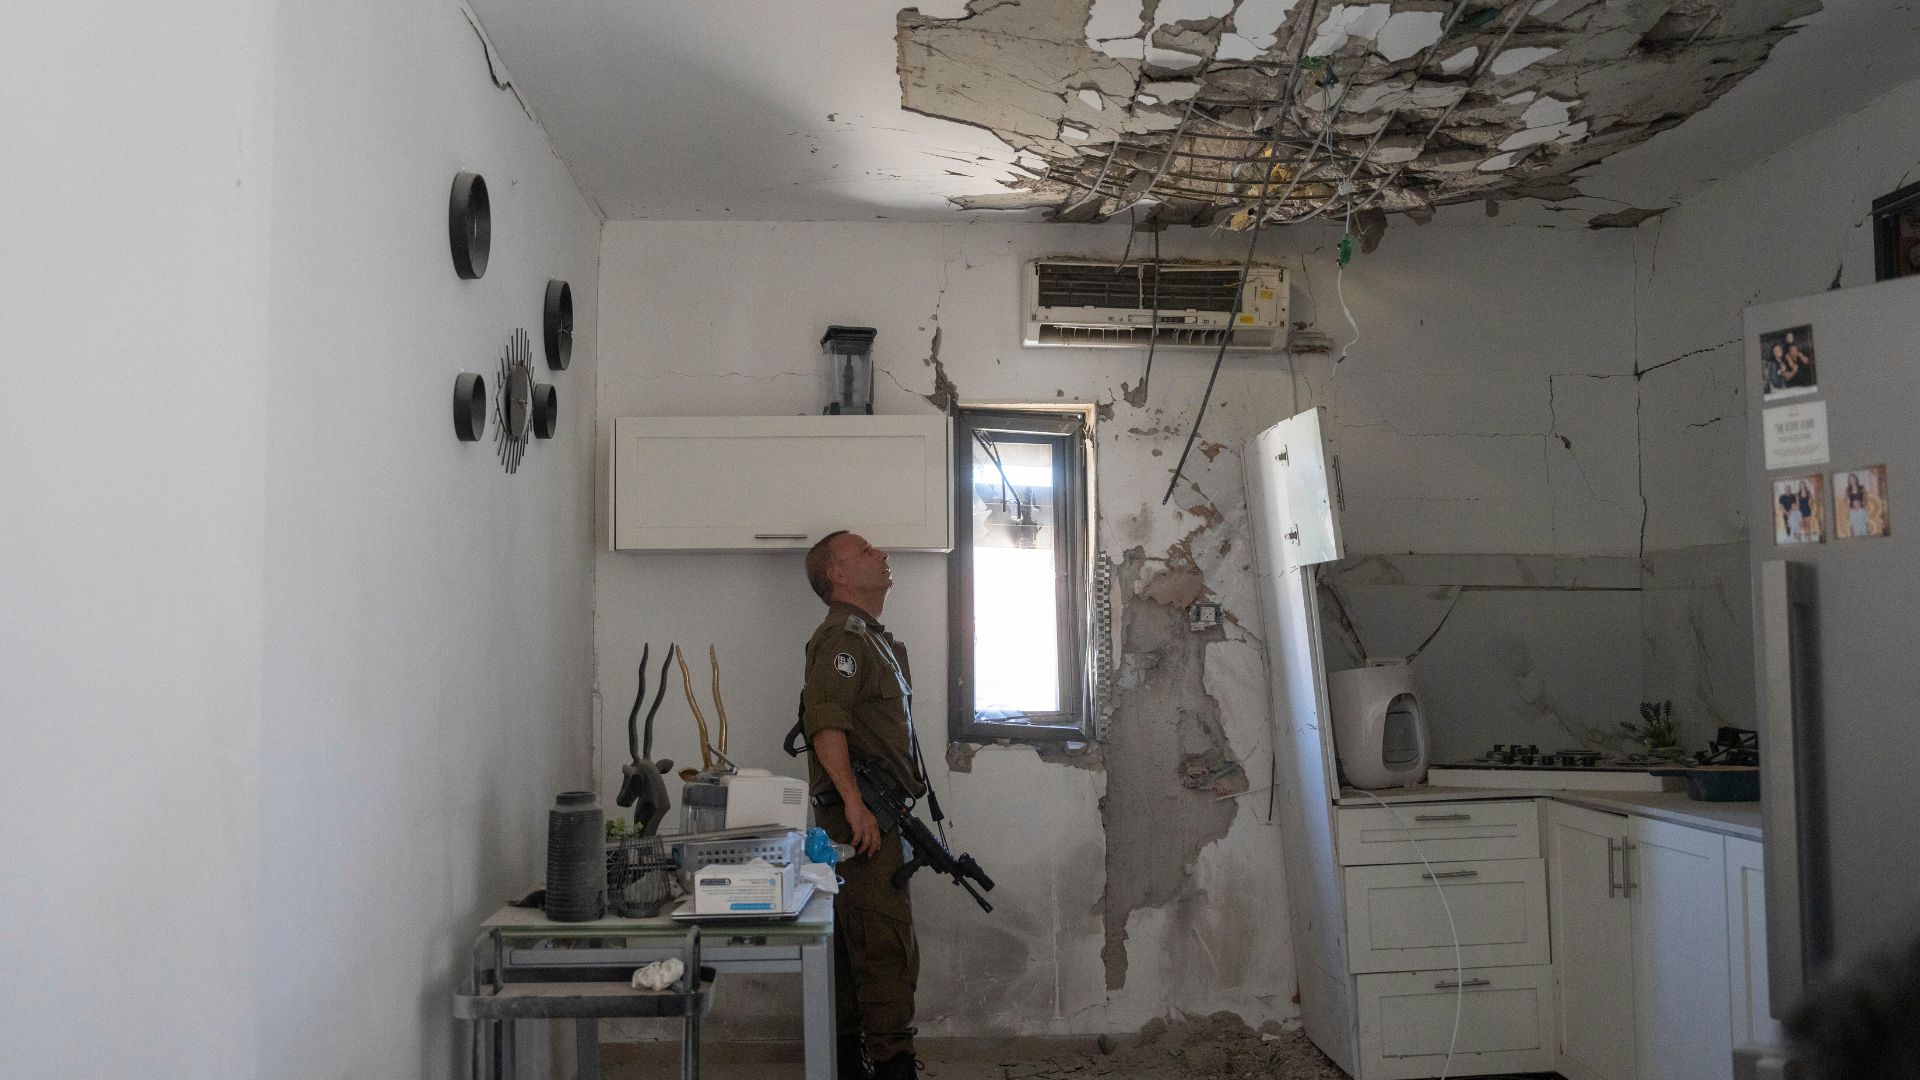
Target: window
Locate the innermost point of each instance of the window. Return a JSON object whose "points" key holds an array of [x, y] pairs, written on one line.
{"points": [[1020, 588]]}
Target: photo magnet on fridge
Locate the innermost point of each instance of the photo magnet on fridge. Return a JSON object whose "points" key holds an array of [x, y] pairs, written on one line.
{"points": [[1786, 363], [1799, 507], [1860, 503]]}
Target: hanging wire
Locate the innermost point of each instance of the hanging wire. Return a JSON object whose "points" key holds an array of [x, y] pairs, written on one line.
{"points": [[1153, 326], [1246, 265], [1480, 69]]}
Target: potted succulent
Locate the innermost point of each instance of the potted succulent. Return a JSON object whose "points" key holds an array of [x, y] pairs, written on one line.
{"points": [[1655, 730]]}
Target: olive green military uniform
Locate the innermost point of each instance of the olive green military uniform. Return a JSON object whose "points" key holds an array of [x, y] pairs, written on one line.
{"points": [[858, 682]]}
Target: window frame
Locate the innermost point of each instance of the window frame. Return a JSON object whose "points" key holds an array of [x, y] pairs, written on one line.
{"points": [[1075, 600]]}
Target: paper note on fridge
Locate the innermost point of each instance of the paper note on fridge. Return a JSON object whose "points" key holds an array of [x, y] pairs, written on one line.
{"points": [[1796, 435]]}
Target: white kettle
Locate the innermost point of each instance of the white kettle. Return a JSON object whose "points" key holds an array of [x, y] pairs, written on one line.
{"points": [[1379, 726]]}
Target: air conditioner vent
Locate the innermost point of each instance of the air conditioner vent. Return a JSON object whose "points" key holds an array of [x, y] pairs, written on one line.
{"points": [[1097, 336], [1181, 305], [1069, 285]]}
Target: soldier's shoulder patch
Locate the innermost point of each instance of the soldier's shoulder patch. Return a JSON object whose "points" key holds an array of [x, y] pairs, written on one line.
{"points": [[846, 665]]}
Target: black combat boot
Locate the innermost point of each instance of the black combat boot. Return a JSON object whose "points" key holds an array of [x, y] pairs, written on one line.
{"points": [[853, 1059], [901, 1066]]}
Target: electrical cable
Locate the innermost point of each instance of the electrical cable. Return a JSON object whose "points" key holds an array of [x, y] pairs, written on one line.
{"points": [[1446, 27], [1340, 290], [1459, 966], [1481, 68], [1246, 266], [1153, 326]]}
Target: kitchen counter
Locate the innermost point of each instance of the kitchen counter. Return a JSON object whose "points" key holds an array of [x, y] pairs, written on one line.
{"points": [[1741, 819]]}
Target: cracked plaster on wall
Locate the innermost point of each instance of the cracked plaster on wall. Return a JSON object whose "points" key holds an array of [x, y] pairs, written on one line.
{"points": [[1625, 69]]}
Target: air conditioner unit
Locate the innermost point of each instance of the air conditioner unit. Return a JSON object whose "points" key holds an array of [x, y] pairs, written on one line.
{"points": [[1074, 303]]}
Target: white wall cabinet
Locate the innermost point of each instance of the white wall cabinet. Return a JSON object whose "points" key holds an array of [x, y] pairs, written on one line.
{"points": [[780, 482], [1592, 944]]}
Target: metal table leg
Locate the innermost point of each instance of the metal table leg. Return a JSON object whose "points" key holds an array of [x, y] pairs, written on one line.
{"points": [[586, 1048], [816, 1010]]}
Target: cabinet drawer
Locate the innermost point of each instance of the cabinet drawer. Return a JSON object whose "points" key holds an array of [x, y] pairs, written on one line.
{"points": [[1372, 835], [1397, 922], [1406, 1022]]}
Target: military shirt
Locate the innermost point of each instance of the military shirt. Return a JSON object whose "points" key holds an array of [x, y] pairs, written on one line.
{"points": [[858, 681]]}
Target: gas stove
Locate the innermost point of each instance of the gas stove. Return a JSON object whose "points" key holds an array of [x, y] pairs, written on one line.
{"points": [[1527, 766]]}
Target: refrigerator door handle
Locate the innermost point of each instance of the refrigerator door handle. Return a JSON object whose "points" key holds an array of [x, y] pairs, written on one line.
{"points": [[1790, 804], [1613, 884]]}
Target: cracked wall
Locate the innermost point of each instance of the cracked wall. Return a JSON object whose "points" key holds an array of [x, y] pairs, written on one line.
{"points": [[1792, 225], [1151, 880], [1189, 109]]}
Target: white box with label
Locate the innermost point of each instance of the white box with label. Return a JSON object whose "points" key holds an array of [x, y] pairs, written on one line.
{"points": [[744, 888]]}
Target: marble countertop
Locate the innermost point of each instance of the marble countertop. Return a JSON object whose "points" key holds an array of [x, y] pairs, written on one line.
{"points": [[1740, 819]]}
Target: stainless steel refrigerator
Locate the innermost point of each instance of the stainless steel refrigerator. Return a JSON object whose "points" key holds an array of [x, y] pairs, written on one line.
{"points": [[1833, 384]]}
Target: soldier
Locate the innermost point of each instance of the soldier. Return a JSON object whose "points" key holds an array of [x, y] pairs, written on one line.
{"points": [[855, 705]]}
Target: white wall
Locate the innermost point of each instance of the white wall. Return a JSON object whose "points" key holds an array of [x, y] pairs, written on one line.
{"points": [[724, 319], [427, 631], [290, 674], [133, 291], [1794, 224]]}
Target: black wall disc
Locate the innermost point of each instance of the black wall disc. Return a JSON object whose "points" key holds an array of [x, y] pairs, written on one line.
{"points": [[546, 410], [469, 406], [469, 225], [559, 324]]}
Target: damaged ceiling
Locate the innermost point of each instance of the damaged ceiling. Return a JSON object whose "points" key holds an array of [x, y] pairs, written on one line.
{"points": [[857, 109], [1281, 111]]}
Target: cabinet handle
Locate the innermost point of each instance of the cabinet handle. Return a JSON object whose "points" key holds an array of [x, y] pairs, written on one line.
{"points": [[1450, 984], [1613, 884], [1628, 886], [1445, 874], [779, 536], [1443, 817]]}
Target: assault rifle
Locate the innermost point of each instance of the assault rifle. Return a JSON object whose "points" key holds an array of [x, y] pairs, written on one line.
{"points": [[892, 809]]}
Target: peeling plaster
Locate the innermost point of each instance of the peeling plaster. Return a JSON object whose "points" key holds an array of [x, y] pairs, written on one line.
{"points": [[1167, 754], [1617, 71]]}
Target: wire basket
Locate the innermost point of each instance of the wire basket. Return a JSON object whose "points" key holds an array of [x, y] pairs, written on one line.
{"points": [[639, 876], [781, 849]]}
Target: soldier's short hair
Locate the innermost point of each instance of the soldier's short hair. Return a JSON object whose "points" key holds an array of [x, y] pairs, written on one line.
{"points": [[819, 558]]}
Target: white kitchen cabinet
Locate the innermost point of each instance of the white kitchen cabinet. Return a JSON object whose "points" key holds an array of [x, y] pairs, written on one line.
{"points": [[1592, 944], [1676, 879], [1439, 832], [1640, 948], [1407, 1022], [1753, 1022], [1398, 920], [780, 482]]}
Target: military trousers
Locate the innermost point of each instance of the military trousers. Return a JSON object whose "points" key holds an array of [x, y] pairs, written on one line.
{"points": [[876, 960]]}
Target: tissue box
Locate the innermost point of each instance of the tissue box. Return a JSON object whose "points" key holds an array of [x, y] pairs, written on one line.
{"points": [[744, 888]]}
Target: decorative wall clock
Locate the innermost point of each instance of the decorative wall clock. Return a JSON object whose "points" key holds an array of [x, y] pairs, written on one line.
{"points": [[546, 410], [469, 406], [469, 225], [559, 324], [513, 402]]}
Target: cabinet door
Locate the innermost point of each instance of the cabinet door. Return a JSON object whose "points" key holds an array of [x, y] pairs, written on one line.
{"points": [[1592, 944], [1676, 878], [1753, 1022], [1296, 468], [780, 482]]}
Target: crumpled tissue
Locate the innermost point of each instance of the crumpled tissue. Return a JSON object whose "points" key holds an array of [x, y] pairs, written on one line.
{"points": [[660, 974], [821, 877]]}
